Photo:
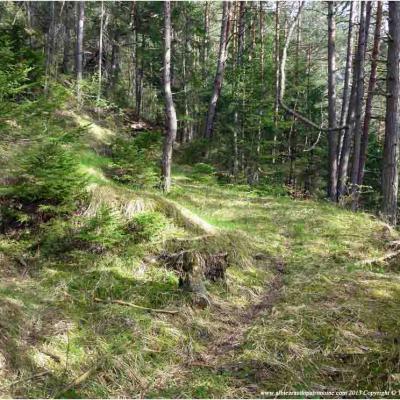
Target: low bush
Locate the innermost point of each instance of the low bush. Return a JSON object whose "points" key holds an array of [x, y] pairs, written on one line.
{"points": [[147, 226], [46, 173], [132, 162]]}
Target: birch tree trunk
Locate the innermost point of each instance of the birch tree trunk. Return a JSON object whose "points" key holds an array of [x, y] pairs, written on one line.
{"points": [[171, 121], [391, 148], [222, 56]]}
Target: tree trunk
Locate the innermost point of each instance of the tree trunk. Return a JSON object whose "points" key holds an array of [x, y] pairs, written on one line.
{"points": [[222, 56], [332, 135], [347, 75], [277, 78], [67, 41], [50, 44], [349, 130], [100, 51], [79, 50], [370, 93], [171, 121], [391, 147], [239, 59], [359, 108]]}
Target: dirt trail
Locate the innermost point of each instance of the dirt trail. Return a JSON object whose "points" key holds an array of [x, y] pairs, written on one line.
{"points": [[219, 355]]}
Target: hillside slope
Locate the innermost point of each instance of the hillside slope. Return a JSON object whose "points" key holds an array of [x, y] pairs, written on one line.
{"points": [[299, 308]]}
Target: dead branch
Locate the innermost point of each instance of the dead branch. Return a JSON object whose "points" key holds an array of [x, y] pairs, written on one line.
{"points": [[124, 303], [77, 381], [378, 260]]}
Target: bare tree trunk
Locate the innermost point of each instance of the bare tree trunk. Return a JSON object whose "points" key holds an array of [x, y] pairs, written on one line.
{"points": [[347, 75], [114, 63], [50, 44], [391, 148], [370, 93], [67, 41], [277, 77], [222, 56], [79, 50], [100, 51], [359, 108], [206, 38], [350, 119], [171, 121], [239, 59], [332, 135], [139, 79]]}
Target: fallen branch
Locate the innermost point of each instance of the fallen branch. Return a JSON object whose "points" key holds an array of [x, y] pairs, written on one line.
{"points": [[386, 257], [77, 381], [124, 303]]}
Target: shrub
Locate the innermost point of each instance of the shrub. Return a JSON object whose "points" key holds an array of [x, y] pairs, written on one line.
{"points": [[132, 164], [103, 231], [202, 168], [49, 173], [96, 234], [147, 226]]}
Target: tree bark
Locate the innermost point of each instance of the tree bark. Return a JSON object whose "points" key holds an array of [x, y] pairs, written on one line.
{"points": [[277, 78], [347, 76], [359, 106], [391, 148], [222, 56], [332, 135], [350, 119], [100, 67], [67, 41], [171, 121], [79, 49], [370, 93]]}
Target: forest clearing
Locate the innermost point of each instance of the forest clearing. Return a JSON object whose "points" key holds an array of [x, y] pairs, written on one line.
{"points": [[199, 199]]}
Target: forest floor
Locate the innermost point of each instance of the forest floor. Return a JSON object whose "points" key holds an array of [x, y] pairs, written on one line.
{"points": [[300, 309]]}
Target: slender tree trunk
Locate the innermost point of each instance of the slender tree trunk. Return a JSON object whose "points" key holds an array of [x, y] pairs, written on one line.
{"points": [[350, 119], [139, 78], [239, 59], [332, 135], [171, 121], [205, 39], [79, 50], [347, 76], [50, 44], [359, 109], [222, 56], [67, 41], [391, 148], [114, 63], [277, 78], [370, 93], [100, 70]]}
